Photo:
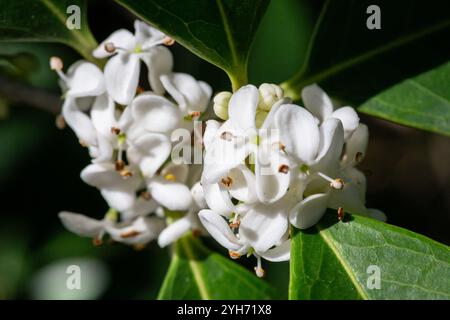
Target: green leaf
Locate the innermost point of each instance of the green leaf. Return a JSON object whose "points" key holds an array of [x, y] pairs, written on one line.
{"points": [[45, 20], [219, 31], [353, 63], [331, 261], [422, 102], [198, 273]]}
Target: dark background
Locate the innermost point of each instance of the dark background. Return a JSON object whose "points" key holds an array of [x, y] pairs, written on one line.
{"points": [[408, 170]]}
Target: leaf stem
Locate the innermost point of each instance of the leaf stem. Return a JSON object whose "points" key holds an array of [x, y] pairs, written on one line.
{"points": [[238, 79]]}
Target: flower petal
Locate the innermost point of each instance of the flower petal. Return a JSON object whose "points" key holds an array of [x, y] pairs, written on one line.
{"points": [[155, 113], [349, 119], [309, 211], [171, 195], [199, 196], [243, 185], [79, 122], [146, 34], [317, 102], [219, 229], [81, 224], [273, 173], [190, 94], [121, 38], [159, 61], [85, 79], [264, 225], [103, 115], [298, 132], [122, 77], [279, 253], [218, 199], [141, 231], [141, 207], [356, 146], [149, 152], [175, 230], [242, 107], [330, 148]]}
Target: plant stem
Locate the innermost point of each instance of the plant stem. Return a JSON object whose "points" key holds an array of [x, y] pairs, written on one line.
{"points": [[238, 78]]}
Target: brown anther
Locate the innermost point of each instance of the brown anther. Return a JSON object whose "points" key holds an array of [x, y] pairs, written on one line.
{"points": [[56, 63], [145, 195], [140, 90], [110, 47], [60, 122], [358, 156], [168, 41], [260, 272], [115, 130], [235, 224], [196, 233], [283, 168], [195, 114], [120, 165], [129, 234], [97, 242], [139, 246], [337, 184], [234, 255], [125, 173], [227, 181], [340, 213], [228, 136]]}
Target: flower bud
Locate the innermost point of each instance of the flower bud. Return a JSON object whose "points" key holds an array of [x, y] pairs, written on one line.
{"points": [[269, 94], [220, 107]]}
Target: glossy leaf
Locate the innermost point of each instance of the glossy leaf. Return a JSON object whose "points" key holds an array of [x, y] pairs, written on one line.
{"points": [[337, 260], [353, 62], [45, 20], [422, 102], [198, 273], [219, 31]]}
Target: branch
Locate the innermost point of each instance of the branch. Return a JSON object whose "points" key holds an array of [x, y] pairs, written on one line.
{"points": [[17, 92]]}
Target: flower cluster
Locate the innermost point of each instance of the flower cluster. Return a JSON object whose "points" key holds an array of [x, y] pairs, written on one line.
{"points": [[273, 163], [267, 164], [128, 131]]}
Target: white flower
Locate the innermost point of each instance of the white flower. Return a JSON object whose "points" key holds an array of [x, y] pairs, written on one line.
{"points": [[82, 83], [139, 231], [320, 105], [122, 70], [118, 190], [189, 221], [192, 96], [262, 234]]}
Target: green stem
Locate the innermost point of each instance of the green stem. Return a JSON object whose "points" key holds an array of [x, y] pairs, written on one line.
{"points": [[238, 78]]}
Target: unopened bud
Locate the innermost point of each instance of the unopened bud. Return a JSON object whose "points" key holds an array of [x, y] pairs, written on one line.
{"points": [[269, 94], [56, 63], [221, 101]]}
